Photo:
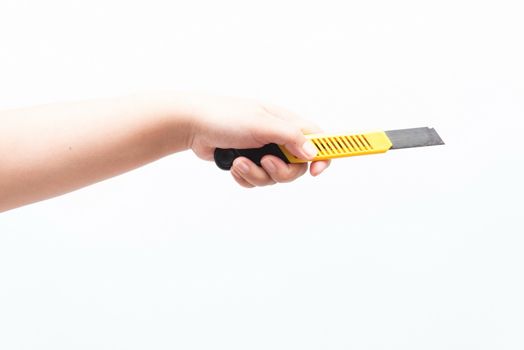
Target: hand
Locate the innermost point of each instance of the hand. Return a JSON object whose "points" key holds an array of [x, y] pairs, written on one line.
{"points": [[219, 122]]}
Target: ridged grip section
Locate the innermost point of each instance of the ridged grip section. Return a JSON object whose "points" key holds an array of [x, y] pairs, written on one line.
{"points": [[338, 146]]}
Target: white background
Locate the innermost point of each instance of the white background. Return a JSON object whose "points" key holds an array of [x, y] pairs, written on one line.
{"points": [[414, 249]]}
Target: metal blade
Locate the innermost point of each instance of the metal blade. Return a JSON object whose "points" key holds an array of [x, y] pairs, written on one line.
{"points": [[416, 137]]}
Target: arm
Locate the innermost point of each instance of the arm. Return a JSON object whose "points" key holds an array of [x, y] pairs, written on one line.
{"points": [[50, 150]]}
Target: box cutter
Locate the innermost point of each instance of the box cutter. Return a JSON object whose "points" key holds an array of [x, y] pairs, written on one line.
{"points": [[337, 146]]}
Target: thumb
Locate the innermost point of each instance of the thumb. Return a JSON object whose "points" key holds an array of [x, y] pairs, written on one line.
{"points": [[286, 133]]}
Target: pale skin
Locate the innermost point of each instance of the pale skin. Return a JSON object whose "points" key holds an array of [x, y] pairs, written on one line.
{"points": [[46, 151]]}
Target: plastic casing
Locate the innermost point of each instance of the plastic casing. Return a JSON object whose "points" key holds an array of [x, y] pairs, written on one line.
{"points": [[344, 145]]}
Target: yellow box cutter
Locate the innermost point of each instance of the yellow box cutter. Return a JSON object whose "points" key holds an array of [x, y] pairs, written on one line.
{"points": [[337, 145]]}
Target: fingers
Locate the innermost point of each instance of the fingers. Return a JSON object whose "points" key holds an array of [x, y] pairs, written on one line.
{"points": [[241, 181], [273, 170], [279, 171], [249, 173], [318, 167]]}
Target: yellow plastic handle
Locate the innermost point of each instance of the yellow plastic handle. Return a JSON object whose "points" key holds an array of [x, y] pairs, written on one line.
{"points": [[342, 145]]}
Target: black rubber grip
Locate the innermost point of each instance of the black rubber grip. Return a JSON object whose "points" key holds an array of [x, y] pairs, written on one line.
{"points": [[224, 157]]}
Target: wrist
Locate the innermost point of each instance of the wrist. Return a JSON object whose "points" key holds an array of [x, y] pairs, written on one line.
{"points": [[176, 116]]}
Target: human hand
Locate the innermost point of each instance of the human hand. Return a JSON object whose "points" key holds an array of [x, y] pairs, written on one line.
{"points": [[224, 122]]}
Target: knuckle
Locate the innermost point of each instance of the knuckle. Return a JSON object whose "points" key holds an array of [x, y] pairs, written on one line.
{"points": [[285, 177], [266, 182], [260, 178], [241, 181]]}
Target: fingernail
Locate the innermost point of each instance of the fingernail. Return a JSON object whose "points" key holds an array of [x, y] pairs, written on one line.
{"points": [[310, 149], [269, 165], [243, 167]]}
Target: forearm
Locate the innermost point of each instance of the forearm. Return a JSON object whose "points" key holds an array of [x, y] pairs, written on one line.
{"points": [[50, 150]]}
